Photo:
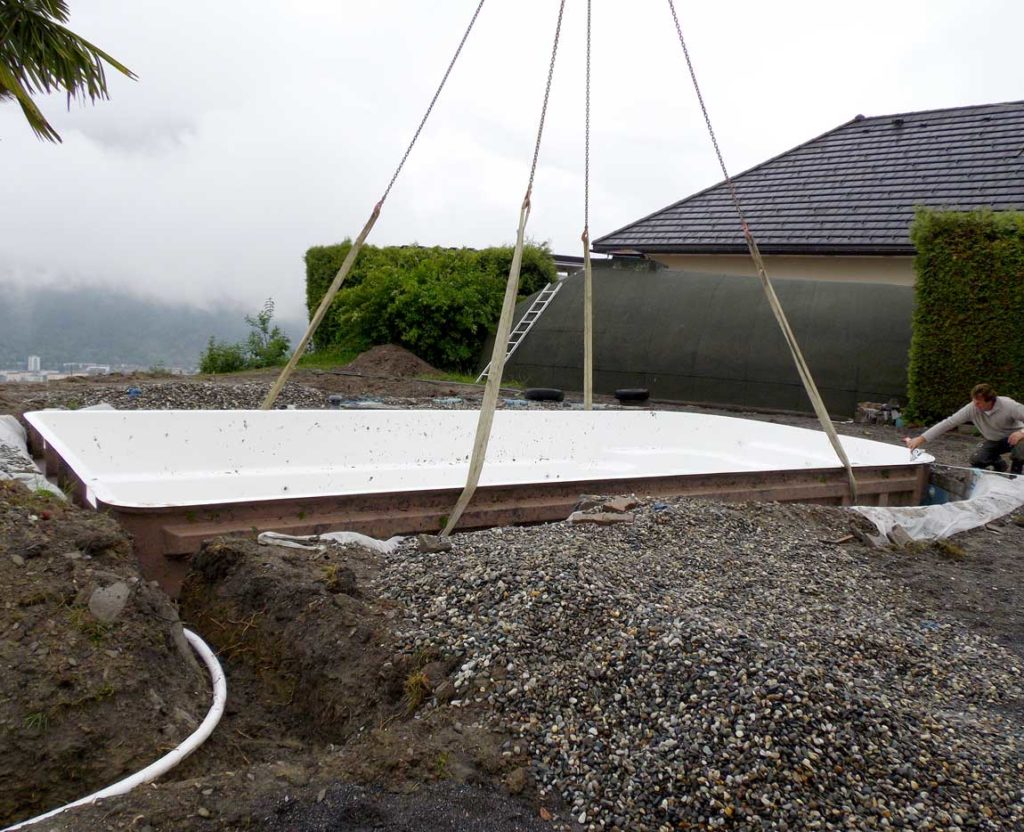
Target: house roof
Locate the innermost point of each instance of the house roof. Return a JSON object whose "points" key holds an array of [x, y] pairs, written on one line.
{"points": [[852, 190]]}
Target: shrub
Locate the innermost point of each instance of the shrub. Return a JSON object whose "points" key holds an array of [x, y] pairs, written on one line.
{"points": [[222, 357], [266, 346], [969, 308], [439, 303]]}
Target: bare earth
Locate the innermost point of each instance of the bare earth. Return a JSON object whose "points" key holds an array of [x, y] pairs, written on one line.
{"points": [[331, 722]]}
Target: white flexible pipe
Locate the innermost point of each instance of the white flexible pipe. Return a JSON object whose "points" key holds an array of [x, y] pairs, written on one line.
{"points": [[171, 758]]}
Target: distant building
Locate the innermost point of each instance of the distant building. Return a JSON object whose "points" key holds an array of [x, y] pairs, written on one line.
{"points": [[34, 363]]}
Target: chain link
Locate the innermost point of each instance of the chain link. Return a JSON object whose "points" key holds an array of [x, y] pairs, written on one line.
{"points": [[586, 142], [433, 101], [547, 95], [707, 120]]}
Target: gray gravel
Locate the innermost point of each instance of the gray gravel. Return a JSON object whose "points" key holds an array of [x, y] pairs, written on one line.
{"points": [[704, 666], [177, 395], [211, 395], [720, 666]]}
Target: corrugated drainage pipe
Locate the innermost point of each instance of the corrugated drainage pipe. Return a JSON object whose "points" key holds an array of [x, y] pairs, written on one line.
{"points": [[172, 758]]}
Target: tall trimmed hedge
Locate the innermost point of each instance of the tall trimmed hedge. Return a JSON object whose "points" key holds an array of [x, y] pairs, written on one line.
{"points": [[440, 303], [969, 313]]}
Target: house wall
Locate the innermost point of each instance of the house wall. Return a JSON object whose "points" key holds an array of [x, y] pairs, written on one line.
{"points": [[898, 271], [712, 338]]}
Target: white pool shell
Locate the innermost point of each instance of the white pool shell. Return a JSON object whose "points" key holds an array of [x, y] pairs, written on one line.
{"points": [[152, 459]]}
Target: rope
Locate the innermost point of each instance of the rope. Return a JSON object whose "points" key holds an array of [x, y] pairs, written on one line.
{"points": [[490, 398], [773, 301], [350, 259], [588, 278]]}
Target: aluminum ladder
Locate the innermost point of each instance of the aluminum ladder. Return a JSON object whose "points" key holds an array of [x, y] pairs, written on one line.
{"points": [[515, 338]]}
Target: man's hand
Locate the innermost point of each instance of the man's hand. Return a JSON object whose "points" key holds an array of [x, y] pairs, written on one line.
{"points": [[918, 441], [1015, 437]]}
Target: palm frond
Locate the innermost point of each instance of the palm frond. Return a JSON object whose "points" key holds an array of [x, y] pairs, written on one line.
{"points": [[9, 86], [39, 54]]}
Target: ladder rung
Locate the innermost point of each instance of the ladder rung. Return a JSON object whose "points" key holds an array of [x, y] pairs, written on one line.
{"points": [[526, 323]]}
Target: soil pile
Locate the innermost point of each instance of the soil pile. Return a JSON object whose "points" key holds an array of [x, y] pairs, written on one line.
{"points": [[327, 720], [391, 360], [98, 680]]}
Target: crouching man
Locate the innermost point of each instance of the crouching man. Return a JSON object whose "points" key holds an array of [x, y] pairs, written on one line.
{"points": [[1001, 422]]}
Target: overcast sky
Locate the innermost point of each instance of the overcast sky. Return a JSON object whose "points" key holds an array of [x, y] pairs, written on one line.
{"points": [[257, 128]]}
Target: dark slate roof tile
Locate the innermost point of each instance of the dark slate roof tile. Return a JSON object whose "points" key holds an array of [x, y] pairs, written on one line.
{"points": [[853, 188]]}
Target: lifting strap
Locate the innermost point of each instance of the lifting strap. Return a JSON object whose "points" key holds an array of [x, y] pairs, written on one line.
{"points": [[490, 398], [773, 301], [353, 253], [588, 280]]}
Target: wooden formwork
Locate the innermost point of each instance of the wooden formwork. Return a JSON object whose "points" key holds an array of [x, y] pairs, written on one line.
{"points": [[166, 537]]}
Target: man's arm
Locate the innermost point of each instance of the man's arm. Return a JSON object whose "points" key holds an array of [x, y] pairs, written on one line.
{"points": [[1016, 410], [962, 416]]}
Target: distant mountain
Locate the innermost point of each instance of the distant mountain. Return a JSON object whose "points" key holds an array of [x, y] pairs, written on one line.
{"points": [[106, 326]]}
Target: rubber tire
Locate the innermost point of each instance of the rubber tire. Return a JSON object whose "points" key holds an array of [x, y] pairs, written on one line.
{"points": [[544, 394], [633, 394]]}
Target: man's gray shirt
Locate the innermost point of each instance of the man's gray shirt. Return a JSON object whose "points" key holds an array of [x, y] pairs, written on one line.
{"points": [[1005, 417]]}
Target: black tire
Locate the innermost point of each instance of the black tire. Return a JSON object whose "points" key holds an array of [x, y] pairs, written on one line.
{"points": [[544, 394], [633, 394]]}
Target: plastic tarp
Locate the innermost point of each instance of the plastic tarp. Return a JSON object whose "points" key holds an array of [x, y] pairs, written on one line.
{"points": [[15, 461], [993, 496], [317, 542]]}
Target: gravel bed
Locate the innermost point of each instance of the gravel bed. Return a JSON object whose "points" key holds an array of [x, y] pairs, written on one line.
{"points": [[712, 666], [702, 666], [177, 395], [193, 395]]}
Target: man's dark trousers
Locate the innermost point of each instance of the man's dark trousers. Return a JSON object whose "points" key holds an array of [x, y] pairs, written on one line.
{"points": [[990, 452]]}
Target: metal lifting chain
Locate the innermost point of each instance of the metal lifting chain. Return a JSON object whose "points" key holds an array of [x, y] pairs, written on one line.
{"points": [[773, 301], [490, 397], [586, 138], [353, 252], [433, 100], [547, 96]]}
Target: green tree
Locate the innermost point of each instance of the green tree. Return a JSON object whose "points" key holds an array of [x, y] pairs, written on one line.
{"points": [[222, 357], [40, 55], [266, 346], [440, 303]]}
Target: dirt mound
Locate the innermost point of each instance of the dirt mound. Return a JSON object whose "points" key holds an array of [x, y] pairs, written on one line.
{"points": [[326, 720], [88, 649], [391, 360], [324, 659]]}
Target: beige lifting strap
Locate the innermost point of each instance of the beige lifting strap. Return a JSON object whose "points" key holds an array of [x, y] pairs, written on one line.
{"points": [[350, 259], [497, 366], [588, 325], [773, 301]]}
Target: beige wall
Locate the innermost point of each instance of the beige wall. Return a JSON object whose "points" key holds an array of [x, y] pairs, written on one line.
{"points": [[891, 270]]}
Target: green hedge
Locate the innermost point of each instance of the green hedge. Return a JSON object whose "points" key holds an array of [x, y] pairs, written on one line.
{"points": [[969, 313], [440, 303]]}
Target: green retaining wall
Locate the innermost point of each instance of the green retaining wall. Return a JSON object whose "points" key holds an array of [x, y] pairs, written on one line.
{"points": [[707, 338]]}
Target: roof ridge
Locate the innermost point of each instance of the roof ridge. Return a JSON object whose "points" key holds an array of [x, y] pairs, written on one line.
{"points": [[857, 164], [722, 182], [937, 110]]}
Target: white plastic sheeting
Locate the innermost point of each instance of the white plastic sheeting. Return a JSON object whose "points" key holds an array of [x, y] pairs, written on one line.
{"points": [[992, 497], [195, 457], [316, 542], [15, 461]]}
